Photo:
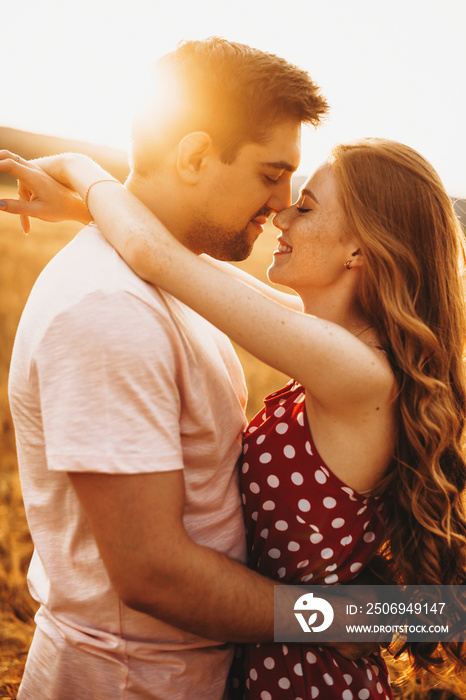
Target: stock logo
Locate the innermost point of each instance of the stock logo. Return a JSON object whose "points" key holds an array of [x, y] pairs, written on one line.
{"points": [[309, 604]]}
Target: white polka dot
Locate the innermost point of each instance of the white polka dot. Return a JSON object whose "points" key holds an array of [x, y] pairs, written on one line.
{"points": [[361, 510], [311, 658], [298, 669], [255, 488], [281, 572], [316, 537], [302, 564], [279, 412], [314, 692], [329, 502], [284, 650], [332, 567], [375, 669], [245, 448], [253, 674], [293, 546], [268, 505], [332, 578], [264, 416], [379, 687], [243, 498], [274, 553], [346, 540], [300, 419], [297, 478], [245, 468], [350, 492], [265, 695], [306, 578], [281, 428], [347, 695], [319, 476], [254, 516], [348, 678], [284, 683], [300, 398], [363, 694], [326, 553], [265, 533], [369, 673], [289, 451], [252, 429], [304, 505], [369, 537], [281, 525], [260, 439], [338, 522], [355, 567], [273, 481], [364, 527], [308, 447], [248, 683], [265, 458], [328, 679], [300, 520], [269, 663]]}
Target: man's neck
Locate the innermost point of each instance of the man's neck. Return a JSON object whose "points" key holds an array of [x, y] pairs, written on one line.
{"points": [[159, 195]]}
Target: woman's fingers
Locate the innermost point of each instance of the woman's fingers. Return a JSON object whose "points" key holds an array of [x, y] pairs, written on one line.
{"points": [[18, 206], [28, 173]]}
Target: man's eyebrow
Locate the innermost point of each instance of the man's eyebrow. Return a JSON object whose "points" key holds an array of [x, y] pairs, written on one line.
{"points": [[310, 194], [281, 165]]}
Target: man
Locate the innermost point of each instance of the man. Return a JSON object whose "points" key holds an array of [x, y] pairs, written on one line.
{"points": [[129, 408]]}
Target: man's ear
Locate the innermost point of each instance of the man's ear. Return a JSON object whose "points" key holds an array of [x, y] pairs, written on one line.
{"points": [[193, 150]]}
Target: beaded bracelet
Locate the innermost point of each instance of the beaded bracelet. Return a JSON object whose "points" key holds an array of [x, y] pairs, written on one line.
{"points": [[96, 183]]}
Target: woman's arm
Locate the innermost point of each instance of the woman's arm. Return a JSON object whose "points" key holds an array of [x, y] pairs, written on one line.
{"points": [[290, 300], [336, 368], [40, 196]]}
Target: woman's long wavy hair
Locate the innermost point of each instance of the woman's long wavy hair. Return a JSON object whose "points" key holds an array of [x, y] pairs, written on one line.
{"points": [[411, 292]]}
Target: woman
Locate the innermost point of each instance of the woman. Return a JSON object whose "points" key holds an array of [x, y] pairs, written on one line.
{"points": [[365, 445]]}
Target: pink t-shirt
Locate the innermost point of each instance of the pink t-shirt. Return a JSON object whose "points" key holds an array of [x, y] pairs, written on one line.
{"points": [[112, 375]]}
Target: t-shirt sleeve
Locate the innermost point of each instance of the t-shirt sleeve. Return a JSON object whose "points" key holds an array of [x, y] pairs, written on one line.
{"points": [[107, 375]]}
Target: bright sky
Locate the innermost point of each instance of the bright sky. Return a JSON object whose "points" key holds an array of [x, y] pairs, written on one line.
{"points": [[395, 69]]}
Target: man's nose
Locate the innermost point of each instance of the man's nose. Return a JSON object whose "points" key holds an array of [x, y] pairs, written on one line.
{"points": [[281, 197]]}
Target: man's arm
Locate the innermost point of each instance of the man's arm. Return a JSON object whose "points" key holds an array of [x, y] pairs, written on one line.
{"points": [[158, 569]]}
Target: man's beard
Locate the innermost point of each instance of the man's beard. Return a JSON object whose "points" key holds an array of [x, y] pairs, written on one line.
{"points": [[219, 242]]}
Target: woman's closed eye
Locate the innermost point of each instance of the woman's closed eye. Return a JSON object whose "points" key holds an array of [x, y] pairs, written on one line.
{"points": [[303, 206]]}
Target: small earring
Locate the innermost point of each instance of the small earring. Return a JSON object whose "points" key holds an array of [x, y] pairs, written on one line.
{"points": [[348, 264]]}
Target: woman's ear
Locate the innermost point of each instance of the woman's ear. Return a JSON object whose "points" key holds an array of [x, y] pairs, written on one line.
{"points": [[357, 258], [193, 150]]}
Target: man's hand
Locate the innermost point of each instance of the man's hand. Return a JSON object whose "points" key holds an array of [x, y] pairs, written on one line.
{"points": [[40, 195]]}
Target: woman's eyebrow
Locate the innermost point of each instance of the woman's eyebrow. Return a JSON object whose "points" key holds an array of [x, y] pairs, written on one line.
{"points": [[310, 194]]}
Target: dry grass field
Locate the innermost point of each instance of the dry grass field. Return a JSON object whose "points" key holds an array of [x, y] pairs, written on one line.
{"points": [[21, 260]]}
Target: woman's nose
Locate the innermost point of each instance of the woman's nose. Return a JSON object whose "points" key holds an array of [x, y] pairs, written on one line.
{"points": [[281, 219]]}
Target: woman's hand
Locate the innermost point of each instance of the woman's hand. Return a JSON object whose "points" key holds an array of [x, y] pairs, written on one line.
{"points": [[43, 190]]}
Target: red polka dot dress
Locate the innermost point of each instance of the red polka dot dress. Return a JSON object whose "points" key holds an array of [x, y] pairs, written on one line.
{"points": [[304, 525]]}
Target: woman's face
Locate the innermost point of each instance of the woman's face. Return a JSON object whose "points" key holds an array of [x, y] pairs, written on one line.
{"points": [[313, 245]]}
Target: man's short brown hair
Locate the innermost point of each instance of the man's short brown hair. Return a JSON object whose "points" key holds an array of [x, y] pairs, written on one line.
{"points": [[231, 91]]}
